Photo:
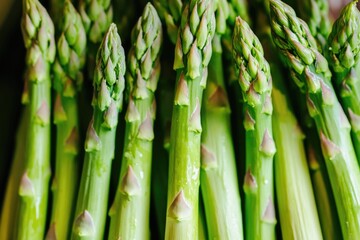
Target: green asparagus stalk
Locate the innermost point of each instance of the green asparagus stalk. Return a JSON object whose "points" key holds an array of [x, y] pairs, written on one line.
{"points": [[192, 54], [236, 8], [130, 210], [218, 177], [255, 82], [11, 200], [311, 74], [67, 69], [96, 16], [38, 34], [100, 140], [170, 12], [202, 221], [343, 56], [55, 12], [321, 185], [324, 198], [316, 14], [293, 184]]}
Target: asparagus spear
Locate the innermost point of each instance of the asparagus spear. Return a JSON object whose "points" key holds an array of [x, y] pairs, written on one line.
{"points": [[170, 12], [219, 183], [324, 198], [255, 82], [321, 185], [293, 184], [11, 200], [69, 62], [311, 73], [316, 14], [130, 210], [100, 140], [192, 55], [38, 34], [343, 56], [96, 16], [55, 12], [218, 177]]}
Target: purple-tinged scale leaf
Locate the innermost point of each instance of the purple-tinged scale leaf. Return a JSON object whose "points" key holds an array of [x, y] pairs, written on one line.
{"points": [[180, 209]]}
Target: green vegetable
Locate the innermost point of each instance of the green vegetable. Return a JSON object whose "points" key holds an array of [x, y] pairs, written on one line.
{"points": [[11, 201], [323, 194], [38, 34], [55, 14], [255, 82], [343, 56], [97, 17], [310, 72], [316, 14], [67, 68], [293, 184], [192, 55], [170, 11], [130, 210], [218, 177], [100, 140]]}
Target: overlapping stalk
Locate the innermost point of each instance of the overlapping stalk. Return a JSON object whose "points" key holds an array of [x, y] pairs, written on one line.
{"points": [[316, 14], [11, 200], [292, 179], [311, 74], [170, 12], [323, 194], [91, 209], [343, 56], [68, 79], [218, 177], [192, 54], [293, 184], [38, 34], [96, 16], [56, 13], [130, 210], [255, 82], [219, 183], [321, 184]]}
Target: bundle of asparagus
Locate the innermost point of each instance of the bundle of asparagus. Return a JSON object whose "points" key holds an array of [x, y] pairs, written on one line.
{"points": [[294, 161]]}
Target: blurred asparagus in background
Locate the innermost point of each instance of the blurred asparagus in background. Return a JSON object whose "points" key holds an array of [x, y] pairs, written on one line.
{"points": [[316, 14], [218, 164], [68, 80]]}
